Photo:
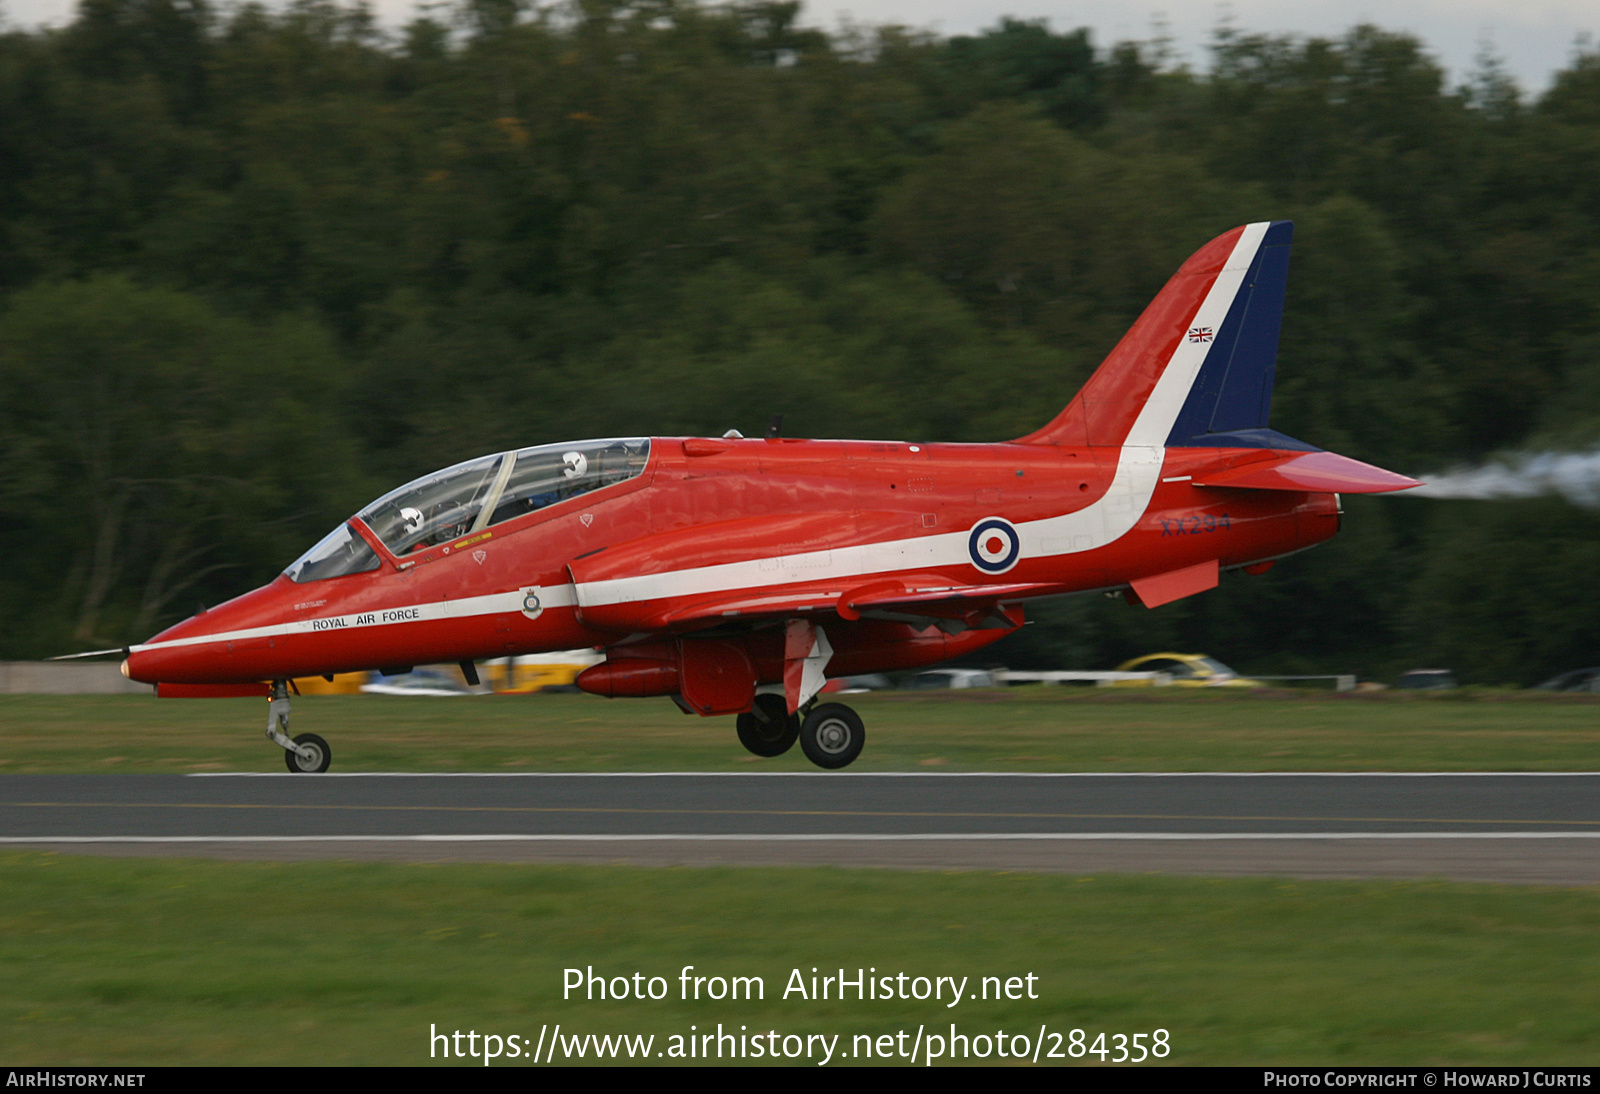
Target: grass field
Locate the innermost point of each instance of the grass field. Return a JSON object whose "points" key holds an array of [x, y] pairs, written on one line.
{"points": [[156, 961], [182, 961], [1023, 729]]}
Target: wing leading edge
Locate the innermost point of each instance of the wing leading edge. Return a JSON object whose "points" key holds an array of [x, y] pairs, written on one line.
{"points": [[948, 607]]}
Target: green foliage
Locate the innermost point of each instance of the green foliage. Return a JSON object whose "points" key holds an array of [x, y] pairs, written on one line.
{"points": [[232, 237], [1022, 61], [1533, 609], [1040, 230], [1348, 377], [142, 432]]}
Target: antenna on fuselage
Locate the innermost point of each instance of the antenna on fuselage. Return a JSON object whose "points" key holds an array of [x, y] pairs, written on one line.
{"points": [[775, 430]]}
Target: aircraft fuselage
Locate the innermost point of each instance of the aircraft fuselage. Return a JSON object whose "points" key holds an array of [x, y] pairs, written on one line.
{"points": [[793, 519]]}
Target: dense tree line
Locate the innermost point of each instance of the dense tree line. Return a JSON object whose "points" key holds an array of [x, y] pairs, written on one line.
{"points": [[257, 265]]}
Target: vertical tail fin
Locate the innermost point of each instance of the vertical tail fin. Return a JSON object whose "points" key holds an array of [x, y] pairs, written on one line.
{"points": [[1196, 368]]}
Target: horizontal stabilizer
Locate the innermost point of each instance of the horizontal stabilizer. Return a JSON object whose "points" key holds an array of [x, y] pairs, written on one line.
{"points": [[1314, 472]]}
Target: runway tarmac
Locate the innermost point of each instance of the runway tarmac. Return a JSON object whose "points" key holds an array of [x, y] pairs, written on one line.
{"points": [[1542, 828]]}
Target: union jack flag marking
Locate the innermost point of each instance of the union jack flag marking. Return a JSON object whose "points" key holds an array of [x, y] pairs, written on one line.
{"points": [[1200, 334]]}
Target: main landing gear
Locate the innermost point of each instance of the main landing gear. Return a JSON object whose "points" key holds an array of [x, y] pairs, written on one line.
{"points": [[768, 729], [831, 735], [307, 752]]}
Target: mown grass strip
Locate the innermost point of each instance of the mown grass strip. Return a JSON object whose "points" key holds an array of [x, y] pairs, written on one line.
{"points": [[176, 961], [1021, 729]]}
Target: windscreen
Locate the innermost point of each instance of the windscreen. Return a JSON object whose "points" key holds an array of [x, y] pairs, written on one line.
{"points": [[339, 552]]}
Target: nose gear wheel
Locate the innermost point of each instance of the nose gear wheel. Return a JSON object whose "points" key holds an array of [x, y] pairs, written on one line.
{"points": [[311, 753]]}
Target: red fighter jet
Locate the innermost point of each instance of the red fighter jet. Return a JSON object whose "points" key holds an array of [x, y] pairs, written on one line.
{"points": [[735, 575]]}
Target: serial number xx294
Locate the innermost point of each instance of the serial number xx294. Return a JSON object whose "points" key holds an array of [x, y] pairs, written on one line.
{"points": [[1194, 524]]}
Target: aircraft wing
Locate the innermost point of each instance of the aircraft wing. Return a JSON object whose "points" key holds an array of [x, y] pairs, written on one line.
{"points": [[947, 602], [934, 603], [751, 606], [1316, 472]]}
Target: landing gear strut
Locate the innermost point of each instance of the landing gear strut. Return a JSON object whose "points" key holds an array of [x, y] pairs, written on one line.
{"points": [[307, 752]]}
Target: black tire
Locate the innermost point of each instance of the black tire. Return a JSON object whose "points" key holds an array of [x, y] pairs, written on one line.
{"points": [[832, 736], [323, 758], [768, 729]]}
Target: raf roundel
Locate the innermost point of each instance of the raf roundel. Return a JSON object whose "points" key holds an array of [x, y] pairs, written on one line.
{"points": [[994, 545], [531, 607]]}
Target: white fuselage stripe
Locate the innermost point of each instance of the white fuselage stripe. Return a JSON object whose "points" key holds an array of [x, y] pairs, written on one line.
{"points": [[1095, 525], [1160, 411], [1104, 521], [559, 596]]}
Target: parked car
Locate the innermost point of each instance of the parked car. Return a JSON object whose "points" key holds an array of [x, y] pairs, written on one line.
{"points": [[1427, 680], [1576, 680], [420, 682], [553, 672], [345, 683], [852, 685], [1188, 670], [934, 679]]}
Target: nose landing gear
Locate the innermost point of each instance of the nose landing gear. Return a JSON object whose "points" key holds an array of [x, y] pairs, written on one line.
{"points": [[307, 752]]}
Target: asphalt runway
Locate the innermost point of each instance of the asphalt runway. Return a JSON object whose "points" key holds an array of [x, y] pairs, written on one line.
{"points": [[1538, 828]]}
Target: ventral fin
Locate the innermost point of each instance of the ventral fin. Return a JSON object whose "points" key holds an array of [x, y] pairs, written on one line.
{"points": [[1161, 589]]}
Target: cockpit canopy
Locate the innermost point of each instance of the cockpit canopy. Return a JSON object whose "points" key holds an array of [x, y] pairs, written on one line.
{"points": [[480, 493]]}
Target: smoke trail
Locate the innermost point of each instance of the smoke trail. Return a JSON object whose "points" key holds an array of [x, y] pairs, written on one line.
{"points": [[1573, 475]]}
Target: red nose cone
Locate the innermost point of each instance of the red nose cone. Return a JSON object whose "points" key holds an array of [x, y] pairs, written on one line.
{"points": [[207, 648]]}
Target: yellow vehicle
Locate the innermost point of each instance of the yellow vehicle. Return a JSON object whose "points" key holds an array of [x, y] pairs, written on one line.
{"points": [[526, 675], [345, 683], [1188, 670]]}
